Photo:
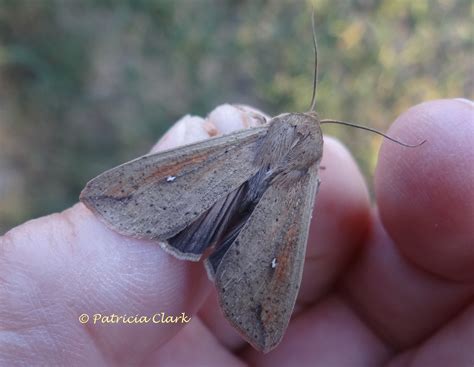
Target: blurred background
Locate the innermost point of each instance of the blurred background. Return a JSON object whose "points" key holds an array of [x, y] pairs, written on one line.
{"points": [[86, 85]]}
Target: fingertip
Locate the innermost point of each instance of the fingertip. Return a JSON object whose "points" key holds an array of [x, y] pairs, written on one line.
{"points": [[187, 130], [424, 194], [228, 118], [223, 119]]}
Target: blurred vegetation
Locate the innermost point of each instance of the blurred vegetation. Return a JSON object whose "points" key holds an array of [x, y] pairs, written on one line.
{"points": [[86, 85]]}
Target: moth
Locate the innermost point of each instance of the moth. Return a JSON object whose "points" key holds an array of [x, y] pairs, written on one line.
{"points": [[246, 198]]}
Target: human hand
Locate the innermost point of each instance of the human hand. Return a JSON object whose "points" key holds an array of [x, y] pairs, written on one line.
{"points": [[387, 286]]}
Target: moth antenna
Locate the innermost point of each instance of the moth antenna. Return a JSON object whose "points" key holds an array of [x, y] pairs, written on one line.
{"points": [[315, 76], [371, 130]]}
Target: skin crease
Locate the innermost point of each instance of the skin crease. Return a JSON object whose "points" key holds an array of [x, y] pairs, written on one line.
{"points": [[385, 286]]}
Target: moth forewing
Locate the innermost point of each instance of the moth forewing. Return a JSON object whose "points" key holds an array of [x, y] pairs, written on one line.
{"points": [[258, 278], [158, 195]]}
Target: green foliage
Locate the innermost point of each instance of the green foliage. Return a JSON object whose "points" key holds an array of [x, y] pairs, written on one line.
{"points": [[87, 85]]}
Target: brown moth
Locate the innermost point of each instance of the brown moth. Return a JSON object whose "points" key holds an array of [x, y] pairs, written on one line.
{"points": [[247, 195]]}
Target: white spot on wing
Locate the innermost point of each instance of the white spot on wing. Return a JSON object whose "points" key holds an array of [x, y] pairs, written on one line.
{"points": [[274, 263], [170, 178]]}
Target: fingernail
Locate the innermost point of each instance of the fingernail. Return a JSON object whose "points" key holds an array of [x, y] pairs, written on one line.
{"points": [[187, 130], [226, 118]]}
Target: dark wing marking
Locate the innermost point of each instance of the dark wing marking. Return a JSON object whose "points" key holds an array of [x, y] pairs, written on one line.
{"points": [[208, 227], [258, 277], [159, 195], [223, 221]]}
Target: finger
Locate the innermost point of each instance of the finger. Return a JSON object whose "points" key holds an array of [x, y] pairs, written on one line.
{"points": [[326, 334], [402, 303], [394, 285], [72, 265], [450, 346], [121, 276], [58, 267], [194, 345], [222, 120], [425, 195], [340, 219]]}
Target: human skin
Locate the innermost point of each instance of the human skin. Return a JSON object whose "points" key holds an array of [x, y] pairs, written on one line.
{"points": [[385, 284]]}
